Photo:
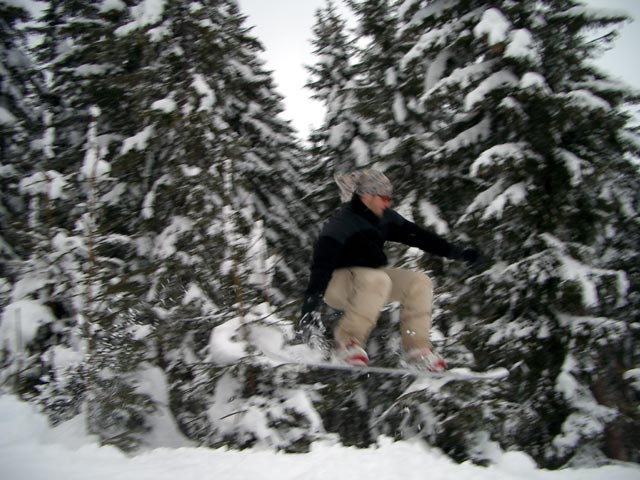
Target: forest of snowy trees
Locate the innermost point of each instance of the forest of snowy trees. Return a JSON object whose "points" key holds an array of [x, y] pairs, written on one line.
{"points": [[157, 217]]}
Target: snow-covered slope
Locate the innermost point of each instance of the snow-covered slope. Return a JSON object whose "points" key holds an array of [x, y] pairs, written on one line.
{"points": [[30, 449]]}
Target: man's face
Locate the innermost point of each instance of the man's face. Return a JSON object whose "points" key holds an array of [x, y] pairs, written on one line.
{"points": [[376, 203]]}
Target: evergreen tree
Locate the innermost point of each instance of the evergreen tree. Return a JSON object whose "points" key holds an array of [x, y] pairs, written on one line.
{"points": [[19, 121], [78, 262], [22, 145], [375, 73], [222, 215], [333, 82], [497, 128], [177, 207], [524, 140]]}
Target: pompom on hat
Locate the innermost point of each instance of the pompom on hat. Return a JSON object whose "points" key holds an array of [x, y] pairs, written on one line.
{"points": [[362, 182]]}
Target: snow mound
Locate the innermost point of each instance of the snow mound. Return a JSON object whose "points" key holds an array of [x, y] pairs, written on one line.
{"points": [[30, 448]]}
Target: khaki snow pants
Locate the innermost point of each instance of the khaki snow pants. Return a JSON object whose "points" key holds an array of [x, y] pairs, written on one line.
{"points": [[361, 293]]}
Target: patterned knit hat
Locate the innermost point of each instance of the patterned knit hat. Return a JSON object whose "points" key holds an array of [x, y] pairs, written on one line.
{"points": [[362, 182]]}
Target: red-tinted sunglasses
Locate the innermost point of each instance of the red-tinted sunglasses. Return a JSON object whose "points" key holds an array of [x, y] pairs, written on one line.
{"points": [[386, 198]]}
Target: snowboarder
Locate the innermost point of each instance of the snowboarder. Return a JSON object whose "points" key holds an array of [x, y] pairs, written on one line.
{"points": [[349, 272]]}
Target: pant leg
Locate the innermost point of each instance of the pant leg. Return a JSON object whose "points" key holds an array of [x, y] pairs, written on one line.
{"points": [[414, 291], [360, 293]]}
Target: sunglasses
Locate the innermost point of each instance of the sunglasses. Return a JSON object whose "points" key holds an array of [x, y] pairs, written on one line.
{"points": [[386, 198]]}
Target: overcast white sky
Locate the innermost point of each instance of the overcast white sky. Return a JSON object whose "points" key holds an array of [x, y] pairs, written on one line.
{"points": [[284, 28]]}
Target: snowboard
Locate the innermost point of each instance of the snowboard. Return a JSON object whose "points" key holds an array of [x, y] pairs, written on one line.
{"points": [[320, 363], [458, 373]]}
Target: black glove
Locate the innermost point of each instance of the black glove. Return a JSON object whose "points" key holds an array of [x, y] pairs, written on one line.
{"points": [[469, 255], [311, 303], [310, 328]]}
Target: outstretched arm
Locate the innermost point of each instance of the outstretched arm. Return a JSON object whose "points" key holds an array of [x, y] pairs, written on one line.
{"points": [[410, 234]]}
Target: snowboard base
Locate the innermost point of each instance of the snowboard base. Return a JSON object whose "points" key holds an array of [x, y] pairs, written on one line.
{"points": [[453, 373]]}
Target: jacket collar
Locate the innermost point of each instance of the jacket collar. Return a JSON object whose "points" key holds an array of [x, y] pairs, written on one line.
{"points": [[362, 210]]}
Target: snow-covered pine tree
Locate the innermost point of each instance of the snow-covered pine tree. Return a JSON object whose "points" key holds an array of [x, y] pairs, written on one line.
{"points": [[19, 121], [206, 179], [525, 145], [374, 81], [234, 238], [80, 254], [215, 106], [336, 144], [26, 188]]}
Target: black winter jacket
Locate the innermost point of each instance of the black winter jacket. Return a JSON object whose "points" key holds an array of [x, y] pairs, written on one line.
{"points": [[355, 237]]}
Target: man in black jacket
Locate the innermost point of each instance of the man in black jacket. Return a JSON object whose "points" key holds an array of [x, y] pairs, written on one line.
{"points": [[349, 271]]}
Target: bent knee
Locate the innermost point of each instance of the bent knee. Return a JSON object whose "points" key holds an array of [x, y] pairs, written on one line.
{"points": [[375, 280], [421, 283]]}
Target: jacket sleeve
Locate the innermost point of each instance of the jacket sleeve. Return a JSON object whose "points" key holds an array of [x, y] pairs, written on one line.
{"points": [[408, 233], [325, 257]]}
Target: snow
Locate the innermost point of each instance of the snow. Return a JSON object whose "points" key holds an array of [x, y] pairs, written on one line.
{"points": [[224, 345], [109, 5], [424, 43], [484, 199], [494, 25], [24, 4], [30, 283], [433, 9], [399, 108], [589, 419], [360, 151], [513, 330], [166, 105], [31, 449], [575, 166], [595, 14], [470, 136], [93, 166], [247, 72], [207, 95], [6, 118], [147, 12], [19, 323], [587, 277], [497, 155], [522, 45], [598, 326], [88, 70], [63, 358], [190, 171], [534, 80], [404, 8], [391, 77], [389, 146], [148, 208], [49, 183], [431, 215], [633, 376], [436, 69], [138, 142], [585, 99], [165, 244], [164, 431], [337, 133], [513, 195], [494, 81]]}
